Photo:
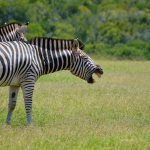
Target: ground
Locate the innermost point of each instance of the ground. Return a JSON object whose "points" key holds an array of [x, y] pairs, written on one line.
{"points": [[68, 113]]}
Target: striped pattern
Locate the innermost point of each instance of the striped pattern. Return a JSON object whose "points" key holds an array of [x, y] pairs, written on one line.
{"points": [[22, 64], [60, 43], [12, 32]]}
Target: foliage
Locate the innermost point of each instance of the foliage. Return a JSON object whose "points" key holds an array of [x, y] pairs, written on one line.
{"points": [[111, 22], [35, 30]]}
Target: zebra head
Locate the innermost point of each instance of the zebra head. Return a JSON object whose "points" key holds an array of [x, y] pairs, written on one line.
{"points": [[82, 65], [20, 30]]}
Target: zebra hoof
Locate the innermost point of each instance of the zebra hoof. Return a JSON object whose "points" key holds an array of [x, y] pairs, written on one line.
{"points": [[29, 124], [8, 123]]}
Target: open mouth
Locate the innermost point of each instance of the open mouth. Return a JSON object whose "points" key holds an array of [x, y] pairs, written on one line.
{"points": [[98, 72]]}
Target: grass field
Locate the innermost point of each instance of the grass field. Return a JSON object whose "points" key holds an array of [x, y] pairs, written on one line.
{"points": [[68, 113]]}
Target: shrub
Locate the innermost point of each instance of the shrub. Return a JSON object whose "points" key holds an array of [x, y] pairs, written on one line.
{"points": [[90, 48], [97, 48], [139, 44], [125, 51], [35, 30]]}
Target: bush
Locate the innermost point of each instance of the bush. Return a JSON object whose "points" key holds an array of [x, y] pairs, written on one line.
{"points": [[97, 48], [35, 30], [125, 51], [139, 44], [136, 49], [90, 48]]}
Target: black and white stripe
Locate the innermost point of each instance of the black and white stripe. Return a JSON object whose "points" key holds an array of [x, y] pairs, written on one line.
{"points": [[21, 64], [12, 32]]}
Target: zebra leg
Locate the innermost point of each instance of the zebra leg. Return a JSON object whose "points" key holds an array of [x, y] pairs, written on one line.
{"points": [[13, 92], [27, 89]]}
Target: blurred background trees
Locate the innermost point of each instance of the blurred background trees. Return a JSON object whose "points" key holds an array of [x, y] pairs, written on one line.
{"points": [[118, 28]]}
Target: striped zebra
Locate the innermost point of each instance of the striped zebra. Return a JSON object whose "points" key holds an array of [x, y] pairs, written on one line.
{"points": [[21, 64], [13, 32]]}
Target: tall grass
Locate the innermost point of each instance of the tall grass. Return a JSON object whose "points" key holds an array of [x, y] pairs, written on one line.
{"points": [[68, 113]]}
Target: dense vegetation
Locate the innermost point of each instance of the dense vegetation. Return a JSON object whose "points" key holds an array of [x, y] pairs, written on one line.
{"points": [[119, 28]]}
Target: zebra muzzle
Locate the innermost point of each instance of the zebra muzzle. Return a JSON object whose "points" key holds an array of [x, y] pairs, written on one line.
{"points": [[98, 71]]}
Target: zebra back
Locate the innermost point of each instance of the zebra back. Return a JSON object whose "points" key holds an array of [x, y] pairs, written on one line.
{"points": [[56, 44], [12, 32]]}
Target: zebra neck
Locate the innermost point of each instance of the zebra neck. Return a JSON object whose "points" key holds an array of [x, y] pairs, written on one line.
{"points": [[54, 60]]}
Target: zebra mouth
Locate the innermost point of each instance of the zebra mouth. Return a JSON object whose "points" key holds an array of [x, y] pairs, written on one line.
{"points": [[91, 80], [98, 72]]}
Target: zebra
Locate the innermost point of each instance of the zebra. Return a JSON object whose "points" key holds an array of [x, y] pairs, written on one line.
{"points": [[13, 32], [21, 64]]}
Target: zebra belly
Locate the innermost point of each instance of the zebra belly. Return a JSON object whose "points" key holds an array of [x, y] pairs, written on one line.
{"points": [[15, 81]]}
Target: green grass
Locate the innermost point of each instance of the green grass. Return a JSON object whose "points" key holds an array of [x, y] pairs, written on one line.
{"points": [[68, 113]]}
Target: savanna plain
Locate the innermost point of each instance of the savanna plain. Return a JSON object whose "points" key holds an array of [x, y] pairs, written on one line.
{"points": [[68, 113]]}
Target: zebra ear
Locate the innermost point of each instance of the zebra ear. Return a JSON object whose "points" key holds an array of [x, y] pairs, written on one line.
{"points": [[75, 45], [81, 45]]}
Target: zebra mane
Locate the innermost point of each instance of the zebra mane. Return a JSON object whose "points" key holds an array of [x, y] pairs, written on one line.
{"points": [[81, 44], [12, 23]]}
